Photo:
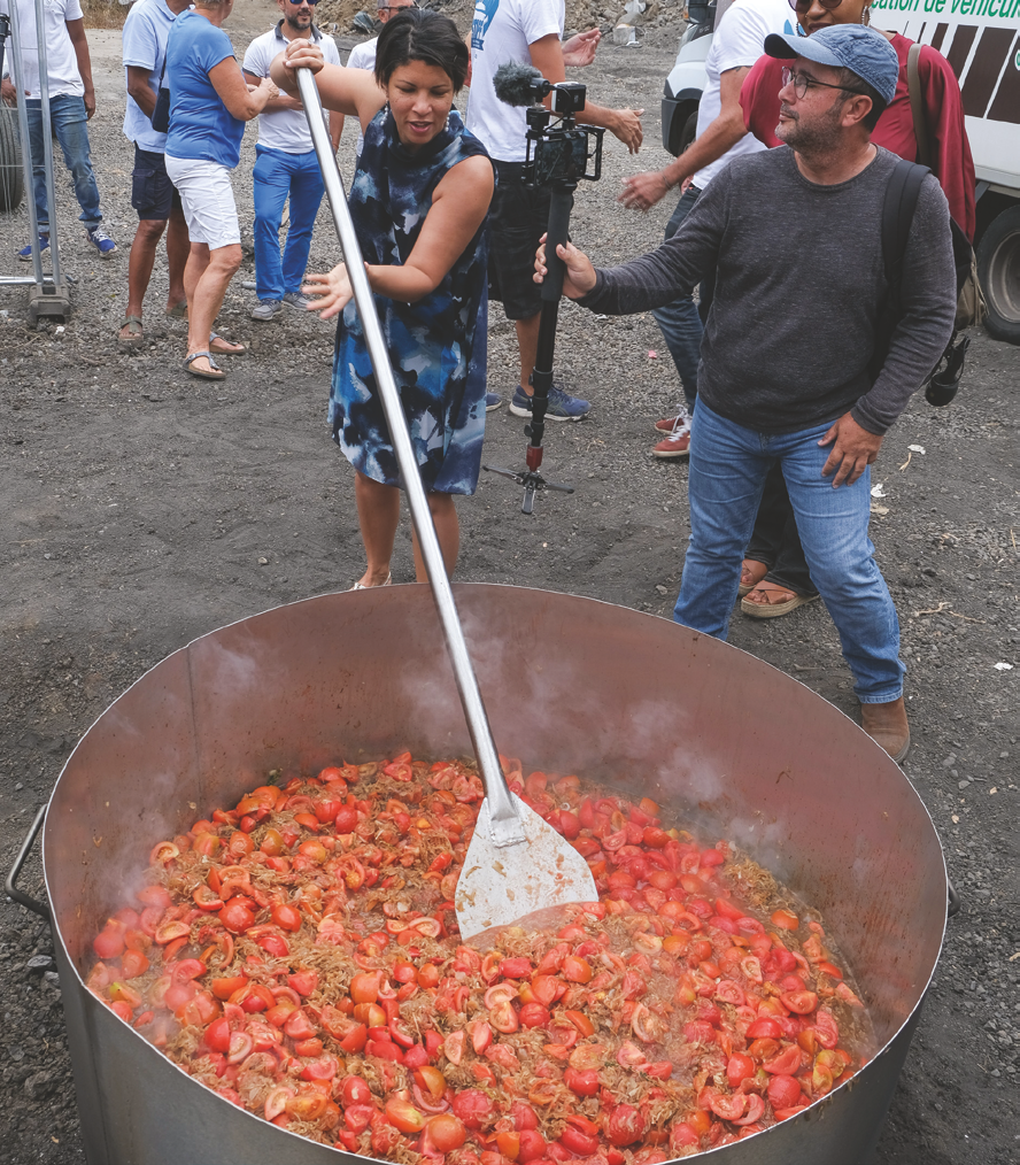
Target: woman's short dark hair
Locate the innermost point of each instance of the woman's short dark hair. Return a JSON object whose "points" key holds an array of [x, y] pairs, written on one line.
{"points": [[418, 34]]}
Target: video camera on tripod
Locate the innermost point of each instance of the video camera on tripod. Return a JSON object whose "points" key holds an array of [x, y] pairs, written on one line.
{"points": [[560, 152], [559, 155]]}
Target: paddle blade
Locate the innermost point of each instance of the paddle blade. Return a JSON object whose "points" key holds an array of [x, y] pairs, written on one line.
{"points": [[499, 885]]}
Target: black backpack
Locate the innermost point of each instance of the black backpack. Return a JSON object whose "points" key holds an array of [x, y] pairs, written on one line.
{"points": [[897, 215]]}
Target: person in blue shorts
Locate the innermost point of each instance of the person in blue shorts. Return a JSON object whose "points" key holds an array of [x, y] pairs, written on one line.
{"points": [[153, 195]]}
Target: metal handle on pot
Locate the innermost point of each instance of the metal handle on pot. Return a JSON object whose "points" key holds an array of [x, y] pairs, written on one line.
{"points": [[955, 901], [506, 825], [11, 887]]}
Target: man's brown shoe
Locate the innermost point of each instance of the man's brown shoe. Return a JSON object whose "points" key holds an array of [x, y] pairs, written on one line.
{"points": [[887, 726]]}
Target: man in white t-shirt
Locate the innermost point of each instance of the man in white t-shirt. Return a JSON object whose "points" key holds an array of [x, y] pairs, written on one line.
{"points": [[72, 103], [285, 167], [527, 32], [153, 195], [737, 44], [363, 55]]}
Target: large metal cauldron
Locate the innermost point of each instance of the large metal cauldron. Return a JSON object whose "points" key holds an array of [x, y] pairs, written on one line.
{"points": [[571, 685]]}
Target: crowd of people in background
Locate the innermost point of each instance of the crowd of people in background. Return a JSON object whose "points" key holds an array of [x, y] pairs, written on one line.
{"points": [[447, 222]]}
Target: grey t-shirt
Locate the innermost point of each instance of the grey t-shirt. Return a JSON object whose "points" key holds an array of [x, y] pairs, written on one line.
{"points": [[800, 285]]}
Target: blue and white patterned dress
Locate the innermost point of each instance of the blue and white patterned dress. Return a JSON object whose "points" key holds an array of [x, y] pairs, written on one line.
{"points": [[437, 346]]}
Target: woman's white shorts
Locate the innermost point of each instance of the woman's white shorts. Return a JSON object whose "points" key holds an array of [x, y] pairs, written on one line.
{"points": [[208, 200]]}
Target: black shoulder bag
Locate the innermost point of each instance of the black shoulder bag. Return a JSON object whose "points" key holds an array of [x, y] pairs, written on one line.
{"points": [[161, 114]]}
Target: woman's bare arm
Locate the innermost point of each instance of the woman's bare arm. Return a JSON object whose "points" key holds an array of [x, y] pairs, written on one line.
{"points": [[240, 101], [459, 206], [350, 91]]}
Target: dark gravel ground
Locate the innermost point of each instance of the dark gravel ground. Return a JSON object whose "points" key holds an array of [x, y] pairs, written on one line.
{"points": [[142, 508]]}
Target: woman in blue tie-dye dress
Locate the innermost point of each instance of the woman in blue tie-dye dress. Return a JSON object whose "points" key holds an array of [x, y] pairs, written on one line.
{"points": [[419, 202]]}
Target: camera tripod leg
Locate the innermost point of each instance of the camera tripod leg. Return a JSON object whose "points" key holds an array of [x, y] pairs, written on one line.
{"points": [[560, 205]]}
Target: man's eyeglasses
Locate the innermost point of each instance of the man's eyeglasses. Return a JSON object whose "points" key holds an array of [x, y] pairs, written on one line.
{"points": [[802, 83], [802, 6], [298, 3]]}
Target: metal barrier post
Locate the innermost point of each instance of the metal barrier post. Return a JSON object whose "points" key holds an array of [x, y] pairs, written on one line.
{"points": [[48, 295]]}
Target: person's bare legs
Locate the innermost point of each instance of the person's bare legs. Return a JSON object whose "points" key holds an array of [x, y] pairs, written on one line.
{"points": [[177, 248], [140, 264], [444, 518], [378, 514], [527, 344], [206, 278]]}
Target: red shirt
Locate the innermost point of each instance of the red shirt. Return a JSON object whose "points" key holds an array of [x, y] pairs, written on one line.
{"points": [[951, 160]]}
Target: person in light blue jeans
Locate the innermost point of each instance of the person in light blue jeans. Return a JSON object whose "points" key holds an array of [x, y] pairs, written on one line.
{"points": [[72, 99], [797, 369], [286, 166], [728, 467], [70, 125]]}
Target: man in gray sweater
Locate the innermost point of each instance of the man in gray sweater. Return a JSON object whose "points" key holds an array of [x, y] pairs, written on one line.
{"points": [[794, 237]]}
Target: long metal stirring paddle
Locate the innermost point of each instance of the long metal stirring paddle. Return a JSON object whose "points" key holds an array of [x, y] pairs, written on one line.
{"points": [[549, 871]]}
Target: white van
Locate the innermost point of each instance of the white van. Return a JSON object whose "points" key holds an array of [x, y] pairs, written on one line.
{"points": [[981, 41]]}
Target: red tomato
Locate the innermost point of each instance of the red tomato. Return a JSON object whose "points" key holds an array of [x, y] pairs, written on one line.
{"points": [[784, 1091], [534, 1015], [728, 1108], [446, 1132], [473, 1107], [785, 1063], [625, 1125], [769, 1028], [355, 1091], [346, 820], [133, 964], [739, 1067], [785, 920], [584, 1083], [799, 1002], [217, 1035], [404, 1116], [286, 917], [236, 916], [109, 943], [533, 1145]]}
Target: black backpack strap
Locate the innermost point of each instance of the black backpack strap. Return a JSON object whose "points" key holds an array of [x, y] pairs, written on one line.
{"points": [[898, 207], [897, 215]]}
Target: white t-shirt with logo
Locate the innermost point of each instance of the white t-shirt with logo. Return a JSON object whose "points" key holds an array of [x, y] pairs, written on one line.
{"points": [[284, 129], [61, 62], [502, 31], [738, 41]]}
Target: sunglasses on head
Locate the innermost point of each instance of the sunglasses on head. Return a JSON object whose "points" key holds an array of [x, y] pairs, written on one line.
{"points": [[802, 6]]}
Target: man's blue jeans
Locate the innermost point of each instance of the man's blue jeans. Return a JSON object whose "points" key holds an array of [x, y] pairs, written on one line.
{"points": [[277, 176], [679, 321], [728, 466], [70, 124]]}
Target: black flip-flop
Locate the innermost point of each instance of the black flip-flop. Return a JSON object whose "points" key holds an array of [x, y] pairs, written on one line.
{"points": [[214, 372]]}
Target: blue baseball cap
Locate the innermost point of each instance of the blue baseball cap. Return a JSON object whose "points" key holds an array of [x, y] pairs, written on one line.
{"points": [[844, 46]]}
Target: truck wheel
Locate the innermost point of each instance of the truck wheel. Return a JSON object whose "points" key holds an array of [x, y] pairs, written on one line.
{"points": [[688, 133], [11, 178], [998, 262]]}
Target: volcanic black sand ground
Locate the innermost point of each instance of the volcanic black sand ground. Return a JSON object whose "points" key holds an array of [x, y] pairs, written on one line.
{"points": [[142, 508]]}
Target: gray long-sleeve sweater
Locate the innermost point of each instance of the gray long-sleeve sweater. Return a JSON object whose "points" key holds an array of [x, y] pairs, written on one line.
{"points": [[800, 284]]}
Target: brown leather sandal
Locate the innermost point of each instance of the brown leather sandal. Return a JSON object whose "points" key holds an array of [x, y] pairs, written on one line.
{"points": [[769, 609], [755, 571]]}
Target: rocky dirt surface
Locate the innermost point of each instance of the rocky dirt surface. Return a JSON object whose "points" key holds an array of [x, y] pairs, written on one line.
{"points": [[142, 508]]}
